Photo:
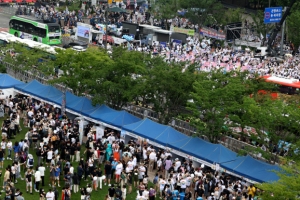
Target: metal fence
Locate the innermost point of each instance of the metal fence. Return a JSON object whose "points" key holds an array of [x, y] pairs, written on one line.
{"points": [[236, 145], [27, 76]]}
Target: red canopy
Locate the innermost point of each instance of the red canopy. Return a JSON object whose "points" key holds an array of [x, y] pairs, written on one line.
{"points": [[282, 81]]}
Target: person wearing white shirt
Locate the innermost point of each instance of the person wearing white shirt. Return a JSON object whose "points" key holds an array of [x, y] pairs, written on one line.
{"points": [[134, 161], [118, 171], [183, 184], [130, 165], [159, 163], [9, 149], [111, 139], [42, 169], [71, 169], [49, 157], [25, 147], [161, 183], [145, 194], [37, 178], [50, 195], [177, 164], [152, 159]]}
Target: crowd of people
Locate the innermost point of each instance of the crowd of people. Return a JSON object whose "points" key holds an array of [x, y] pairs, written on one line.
{"points": [[206, 53], [51, 153]]}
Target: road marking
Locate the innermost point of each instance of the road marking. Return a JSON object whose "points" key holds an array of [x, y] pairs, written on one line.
{"points": [[4, 29]]}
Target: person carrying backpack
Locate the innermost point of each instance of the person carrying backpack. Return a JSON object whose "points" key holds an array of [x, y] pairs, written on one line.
{"points": [[30, 161]]}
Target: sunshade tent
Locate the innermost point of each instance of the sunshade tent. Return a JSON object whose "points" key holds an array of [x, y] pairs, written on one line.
{"points": [[82, 106], [49, 93], [96, 114], [31, 88], [161, 134], [220, 154], [253, 169], [57, 99], [6, 81], [198, 148], [118, 118]]}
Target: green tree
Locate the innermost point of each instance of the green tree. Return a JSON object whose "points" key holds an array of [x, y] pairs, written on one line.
{"points": [[119, 82], [164, 9], [169, 88], [232, 15], [214, 93], [293, 25], [287, 187], [218, 94], [203, 12], [80, 69], [21, 58]]}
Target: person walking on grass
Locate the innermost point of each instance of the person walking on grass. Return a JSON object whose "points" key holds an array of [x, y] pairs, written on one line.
{"points": [[56, 175], [28, 178], [9, 146], [52, 176], [37, 178], [42, 170], [1, 158]]}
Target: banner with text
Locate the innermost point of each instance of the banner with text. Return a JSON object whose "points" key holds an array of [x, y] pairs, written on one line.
{"points": [[212, 33], [190, 32]]}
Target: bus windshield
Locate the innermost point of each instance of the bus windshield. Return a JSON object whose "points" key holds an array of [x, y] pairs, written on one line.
{"points": [[53, 29]]}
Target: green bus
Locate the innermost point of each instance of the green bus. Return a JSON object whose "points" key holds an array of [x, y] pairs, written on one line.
{"points": [[28, 27]]}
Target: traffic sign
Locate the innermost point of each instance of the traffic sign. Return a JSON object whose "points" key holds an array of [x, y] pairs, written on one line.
{"points": [[273, 15]]}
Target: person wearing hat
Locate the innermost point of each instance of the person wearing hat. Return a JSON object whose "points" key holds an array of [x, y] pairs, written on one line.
{"points": [[30, 161]]}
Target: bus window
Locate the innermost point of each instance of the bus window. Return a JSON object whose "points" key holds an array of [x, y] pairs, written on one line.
{"points": [[53, 29], [40, 32]]}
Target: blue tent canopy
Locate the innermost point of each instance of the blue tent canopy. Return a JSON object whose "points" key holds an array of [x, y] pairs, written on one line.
{"points": [[253, 169], [198, 148], [156, 132], [31, 88], [119, 118], [59, 98], [81, 105], [221, 154], [99, 111], [49, 93], [6, 81]]}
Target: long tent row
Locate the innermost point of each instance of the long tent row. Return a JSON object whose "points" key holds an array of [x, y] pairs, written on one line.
{"points": [[162, 136]]}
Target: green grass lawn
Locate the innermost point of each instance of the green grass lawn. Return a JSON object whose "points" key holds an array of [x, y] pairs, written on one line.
{"points": [[100, 194]]}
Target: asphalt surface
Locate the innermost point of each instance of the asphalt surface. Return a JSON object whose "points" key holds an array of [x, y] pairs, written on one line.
{"points": [[5, 14]]}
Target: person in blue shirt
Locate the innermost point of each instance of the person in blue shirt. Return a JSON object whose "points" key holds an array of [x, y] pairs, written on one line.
{"points": [[113, 167], [16, 148], [56, 175]]}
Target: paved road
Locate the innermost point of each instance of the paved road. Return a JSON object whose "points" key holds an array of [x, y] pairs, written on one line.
{"points": [[5, 14]]}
